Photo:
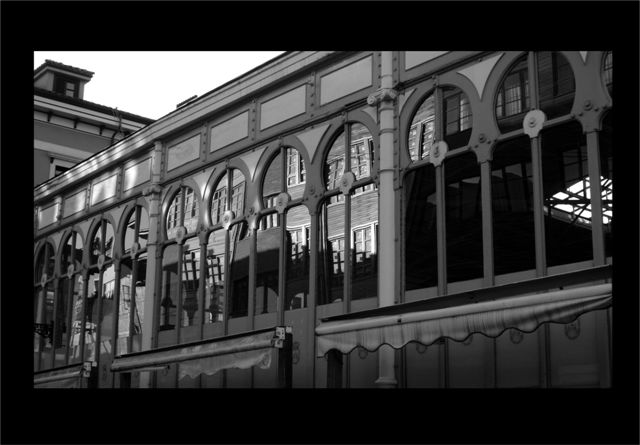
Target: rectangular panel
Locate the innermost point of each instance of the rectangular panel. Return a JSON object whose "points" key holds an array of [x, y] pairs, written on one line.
{"points": [[346, 80], [103, 189], [283, 107], [183, 152], [137, 174], [230, 131], [415, 58], [47, 216], [74, 203]]}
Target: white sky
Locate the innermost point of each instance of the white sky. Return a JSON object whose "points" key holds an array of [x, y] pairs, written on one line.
{"points": [[152, 83]]}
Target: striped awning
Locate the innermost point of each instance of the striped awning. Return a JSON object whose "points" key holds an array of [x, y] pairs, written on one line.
{"points": [[208, 357], [491, 318], [67, 377]]}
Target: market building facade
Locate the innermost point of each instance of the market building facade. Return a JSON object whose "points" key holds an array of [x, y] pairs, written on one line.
{"points": [[342, 219]]}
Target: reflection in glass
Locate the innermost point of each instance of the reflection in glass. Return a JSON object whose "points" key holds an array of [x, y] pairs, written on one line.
{"points": [[61, 329], [422, 130], [219, 200], [91, 315], [76, 318], [239, 246], [606, 173], [143, 230], [237, 193], [556, 86], [106, 318], [297, 258], [169, 300], [334, 167], [457, 117], [129, 234], [608, 70], [361, 151], [108, 241], [421, 247], [463, 205], [331, 252], [267, 270], [125, 305], [272, 185], [183, 211], [96, 245], [364, 249], [47, 322], [296, 173], [567, 196], [513, 97], [214, 296], [190, 277], [512, 200]]}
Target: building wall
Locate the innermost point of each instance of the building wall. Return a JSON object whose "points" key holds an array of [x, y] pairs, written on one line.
{"points": [[182, 156]]}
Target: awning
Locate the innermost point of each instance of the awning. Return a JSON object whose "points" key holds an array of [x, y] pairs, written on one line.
{"points": [[210, 356], [491, 318], [67, 377]]}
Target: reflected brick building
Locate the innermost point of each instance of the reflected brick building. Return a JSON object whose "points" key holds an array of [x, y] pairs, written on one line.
{"points": [[349, 219]]}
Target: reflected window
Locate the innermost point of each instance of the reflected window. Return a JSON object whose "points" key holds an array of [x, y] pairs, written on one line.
{"points": [[513, 97], [168, 303], [215, 281], [219, 204], [183, 211], [286, 172], [267, 265], [239, 247], [190, 278], [556, 85], [422, 130], [297, 258]]}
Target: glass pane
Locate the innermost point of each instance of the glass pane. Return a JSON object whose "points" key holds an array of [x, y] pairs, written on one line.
{"points": [[124, 305], [40, 261], [361, 151], [239, 246], [61, 329], [168, 304], [174, 215], [214, 297], [237, 193], [138, 301], [107, 323], [423, 124], [219, 200], [96, 245], [191, 210], [334, 165], [512, 200], [556, 85], [608, 69], [606, 180], [331, 252], [297, 258], [129, 234], [91, 315], [76, 318], [421, 247], [48, 327], [567, 199], [143, 231], [364, 249], [66, 255], [272, 185], [108, 242], [458, 118], [513, 97], [267, 265], [463, 218], [296, 174], [79, 251], [190, 277]]}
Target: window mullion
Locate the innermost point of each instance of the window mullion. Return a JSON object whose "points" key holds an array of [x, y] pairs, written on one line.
{"points": [[347, 226]]}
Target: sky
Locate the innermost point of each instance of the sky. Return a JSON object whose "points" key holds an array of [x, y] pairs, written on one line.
{"points": [[152, 83]]}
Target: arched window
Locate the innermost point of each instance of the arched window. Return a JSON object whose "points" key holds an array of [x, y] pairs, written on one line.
{"points": [[100, 307], [43, 307], [348, 219], [554, 95], [453, 124], [133, 271], [69, 303]]}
